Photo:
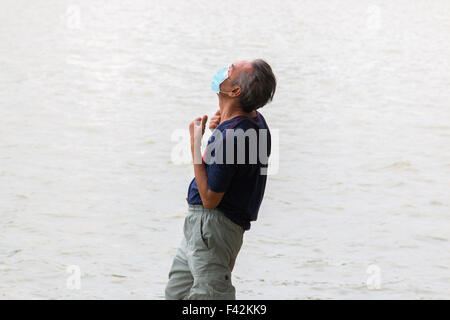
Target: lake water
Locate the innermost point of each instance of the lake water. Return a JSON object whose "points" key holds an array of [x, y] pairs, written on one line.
{"points": [[91, 93]]}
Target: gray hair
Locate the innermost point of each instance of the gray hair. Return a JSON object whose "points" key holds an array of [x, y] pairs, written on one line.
{"points": [[257, 87]]}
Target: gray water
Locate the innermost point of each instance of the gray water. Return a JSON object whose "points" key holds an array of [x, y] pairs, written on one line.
{"points": [[92, 91]]}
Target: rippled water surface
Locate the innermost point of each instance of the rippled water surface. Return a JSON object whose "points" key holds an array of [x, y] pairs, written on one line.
{"points": [[91, 93]]}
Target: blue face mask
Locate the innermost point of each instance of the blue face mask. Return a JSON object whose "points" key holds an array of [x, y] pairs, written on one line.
{"points": [[218, 78]]}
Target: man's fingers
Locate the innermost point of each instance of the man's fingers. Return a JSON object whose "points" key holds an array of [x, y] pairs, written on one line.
{"points": [[204, 119], [213, 125], [215, 120]]}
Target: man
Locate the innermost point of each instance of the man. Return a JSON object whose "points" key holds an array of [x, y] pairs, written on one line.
{"points": [[226, 193]]}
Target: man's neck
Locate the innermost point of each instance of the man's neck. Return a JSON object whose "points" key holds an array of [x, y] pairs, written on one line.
{"points": [[230, 111]]}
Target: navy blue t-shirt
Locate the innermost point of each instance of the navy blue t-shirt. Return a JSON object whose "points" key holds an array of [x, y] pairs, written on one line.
{"points": [[241, 174]]}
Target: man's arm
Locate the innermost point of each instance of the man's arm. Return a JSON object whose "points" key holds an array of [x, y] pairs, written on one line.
{"points": [[210, 199]]}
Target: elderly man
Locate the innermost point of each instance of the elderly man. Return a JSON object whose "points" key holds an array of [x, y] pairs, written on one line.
{"points": [[226, 193]]}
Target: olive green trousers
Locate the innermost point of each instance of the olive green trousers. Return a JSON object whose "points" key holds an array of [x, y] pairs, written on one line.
{"points": [[201, 269]]}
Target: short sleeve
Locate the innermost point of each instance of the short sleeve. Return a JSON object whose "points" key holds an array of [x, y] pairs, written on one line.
{"points": [[220, 173]]}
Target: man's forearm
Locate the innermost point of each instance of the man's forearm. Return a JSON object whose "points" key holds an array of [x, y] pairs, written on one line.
{"points": [[200, 172], [210, 199], [202, 181]]}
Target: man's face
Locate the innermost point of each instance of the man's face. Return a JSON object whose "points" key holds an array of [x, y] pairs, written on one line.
{"points": [[233, 73]]}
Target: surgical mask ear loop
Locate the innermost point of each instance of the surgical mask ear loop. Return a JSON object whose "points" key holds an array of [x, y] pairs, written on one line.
{"points": [[220, 91]]}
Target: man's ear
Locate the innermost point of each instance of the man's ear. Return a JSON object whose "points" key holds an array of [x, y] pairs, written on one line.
{"points": [[236, 92]]}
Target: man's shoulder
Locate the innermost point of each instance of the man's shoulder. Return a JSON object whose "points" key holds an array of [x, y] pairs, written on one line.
{"points": [[244, 123]]}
